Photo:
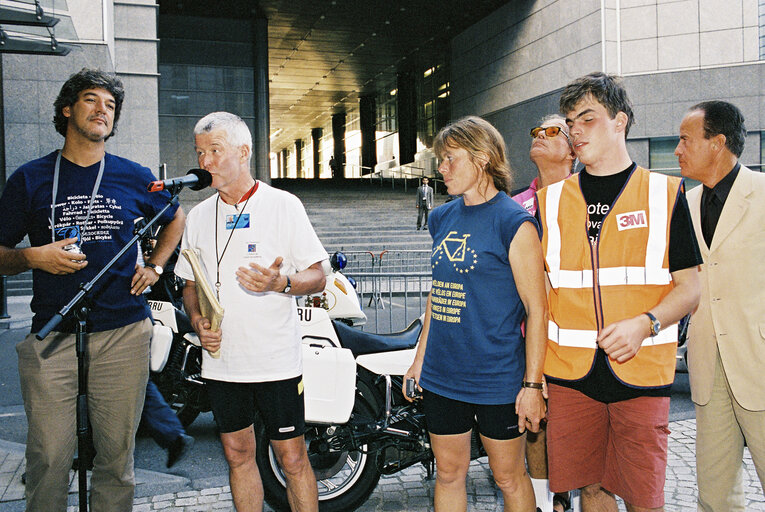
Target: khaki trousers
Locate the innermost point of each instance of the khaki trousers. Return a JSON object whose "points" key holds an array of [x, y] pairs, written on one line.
{"points": [[118, 368], [722, 428]]}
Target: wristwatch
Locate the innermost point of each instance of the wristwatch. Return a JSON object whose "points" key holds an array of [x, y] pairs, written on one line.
{"points": [[288, 287], [655, 324], [156, 268]]}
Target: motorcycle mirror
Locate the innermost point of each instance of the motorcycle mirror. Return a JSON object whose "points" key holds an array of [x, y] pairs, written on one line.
{"points": [[338, 261], [352, 281]]}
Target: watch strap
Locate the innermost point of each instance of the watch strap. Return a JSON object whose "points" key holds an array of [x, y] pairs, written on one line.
{"points": [[655, 324]]}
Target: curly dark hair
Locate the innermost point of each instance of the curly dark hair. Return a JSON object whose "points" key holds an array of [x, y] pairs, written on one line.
{"points": [[608, 90], [81, 81]]}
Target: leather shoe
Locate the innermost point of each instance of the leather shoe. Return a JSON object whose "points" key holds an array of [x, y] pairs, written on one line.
{"points": [[179, 449]]}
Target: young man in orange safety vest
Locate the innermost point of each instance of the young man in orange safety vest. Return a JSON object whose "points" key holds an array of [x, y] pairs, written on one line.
{"points": [[622, 262]]}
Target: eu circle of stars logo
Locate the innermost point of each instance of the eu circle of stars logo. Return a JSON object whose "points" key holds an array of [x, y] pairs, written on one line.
{"points": [[457, 252]]}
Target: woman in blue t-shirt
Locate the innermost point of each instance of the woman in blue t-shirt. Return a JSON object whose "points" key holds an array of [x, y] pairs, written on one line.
{"points": [[472, 363]]}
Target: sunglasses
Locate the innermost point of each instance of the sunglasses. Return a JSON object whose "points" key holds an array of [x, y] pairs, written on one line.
{"points": [[550, 131]]}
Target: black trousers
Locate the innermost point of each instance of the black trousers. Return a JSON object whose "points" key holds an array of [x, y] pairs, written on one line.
{"points": [[422, 211]]}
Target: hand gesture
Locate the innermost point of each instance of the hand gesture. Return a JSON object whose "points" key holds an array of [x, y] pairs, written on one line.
{"points": [[261, 279], [52, 258], [621, 340]]}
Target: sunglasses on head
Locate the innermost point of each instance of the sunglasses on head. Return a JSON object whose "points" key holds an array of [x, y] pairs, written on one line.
{"points": [[550, 131]]}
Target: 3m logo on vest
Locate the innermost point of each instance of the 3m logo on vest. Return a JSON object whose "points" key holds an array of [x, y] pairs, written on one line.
{"points": [[631, 220]]}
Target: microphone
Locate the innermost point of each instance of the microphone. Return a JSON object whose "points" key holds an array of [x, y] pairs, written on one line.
{"points": [[195, 179]]}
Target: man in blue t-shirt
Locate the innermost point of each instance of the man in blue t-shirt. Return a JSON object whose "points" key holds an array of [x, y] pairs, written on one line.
{"points": [[78, 207]]}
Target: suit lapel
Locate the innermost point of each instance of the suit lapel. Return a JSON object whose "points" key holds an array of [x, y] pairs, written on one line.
{"points": [[694, 205], [735, 207]]}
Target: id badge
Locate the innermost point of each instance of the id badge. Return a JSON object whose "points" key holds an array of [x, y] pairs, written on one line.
{"points": [[241, 221]]}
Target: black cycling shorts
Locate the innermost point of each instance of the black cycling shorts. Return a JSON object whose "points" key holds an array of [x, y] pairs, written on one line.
{"points": [[446, 416], [280, 404]]}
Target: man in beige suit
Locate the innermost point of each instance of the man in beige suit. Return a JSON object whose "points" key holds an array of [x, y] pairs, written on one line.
{"points": [[726, 352]]}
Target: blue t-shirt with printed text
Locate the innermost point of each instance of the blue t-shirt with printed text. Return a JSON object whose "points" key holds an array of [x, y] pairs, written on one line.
{"points": [[475, 351], [25, 209]]}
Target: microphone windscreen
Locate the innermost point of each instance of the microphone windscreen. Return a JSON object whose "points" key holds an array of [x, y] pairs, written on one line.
{"points": [[205, 179]]}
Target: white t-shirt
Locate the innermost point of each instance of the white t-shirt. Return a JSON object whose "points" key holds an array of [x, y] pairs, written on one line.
{"points": [[261, 334]]}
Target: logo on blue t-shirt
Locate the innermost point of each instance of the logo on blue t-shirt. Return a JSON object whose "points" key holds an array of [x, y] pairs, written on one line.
{"points": [[457, 252]]}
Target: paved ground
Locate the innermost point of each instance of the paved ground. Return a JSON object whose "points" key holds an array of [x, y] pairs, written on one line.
{"points": [[406, 491], [409, 490]]}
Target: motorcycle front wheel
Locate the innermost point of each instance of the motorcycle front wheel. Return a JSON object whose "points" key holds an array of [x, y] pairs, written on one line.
{"points": [[345, 478]]}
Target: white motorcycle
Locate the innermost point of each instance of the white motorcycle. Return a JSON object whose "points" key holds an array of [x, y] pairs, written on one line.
{"points": [[359, 426]]}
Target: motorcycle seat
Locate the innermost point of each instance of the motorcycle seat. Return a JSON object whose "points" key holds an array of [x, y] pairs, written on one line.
{"points": [[360, 342]]}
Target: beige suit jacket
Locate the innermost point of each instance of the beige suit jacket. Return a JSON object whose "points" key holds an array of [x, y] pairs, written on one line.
{"points": [[731, 314]]}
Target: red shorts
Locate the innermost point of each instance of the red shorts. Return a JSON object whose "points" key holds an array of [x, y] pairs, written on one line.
{"points": [[622, 445]]}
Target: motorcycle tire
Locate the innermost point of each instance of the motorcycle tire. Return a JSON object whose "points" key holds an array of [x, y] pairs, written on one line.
{"points": [[345, 479]]}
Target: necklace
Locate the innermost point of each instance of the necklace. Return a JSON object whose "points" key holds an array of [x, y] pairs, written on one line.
{"points": [[218, 258]]}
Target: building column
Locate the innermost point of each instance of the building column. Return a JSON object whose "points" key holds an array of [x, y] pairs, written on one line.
{"points": [[367, 118], [338, 139], [298, 157], [407, 115], [285, 163], [316, 134], [261, 141]]}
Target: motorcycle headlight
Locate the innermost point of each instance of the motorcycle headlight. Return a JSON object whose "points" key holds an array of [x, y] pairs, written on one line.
{"points": [[338, 261]]}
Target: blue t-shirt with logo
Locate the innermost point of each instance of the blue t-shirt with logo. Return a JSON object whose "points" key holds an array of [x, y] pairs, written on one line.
{"points": [[25, 209], [475, 352]]}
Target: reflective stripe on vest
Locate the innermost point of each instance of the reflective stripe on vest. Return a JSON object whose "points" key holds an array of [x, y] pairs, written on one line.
{"points": [[588, 339], [651, 273]]}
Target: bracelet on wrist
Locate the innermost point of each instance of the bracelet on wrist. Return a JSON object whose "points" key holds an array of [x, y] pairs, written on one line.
{"points": [[532, 385]]}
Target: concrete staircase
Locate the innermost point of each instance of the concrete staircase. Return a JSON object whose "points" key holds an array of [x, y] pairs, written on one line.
{"points": [[362, 216]]}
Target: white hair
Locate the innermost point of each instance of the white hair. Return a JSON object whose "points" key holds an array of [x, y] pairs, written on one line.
{"points": [[237, 132], [559, 118]]}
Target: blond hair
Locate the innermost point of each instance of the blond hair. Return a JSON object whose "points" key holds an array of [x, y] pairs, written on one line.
{"points": [[481, 140]]}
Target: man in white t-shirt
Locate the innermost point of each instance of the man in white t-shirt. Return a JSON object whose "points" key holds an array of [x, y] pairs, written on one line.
{"points": [[258, 250]]}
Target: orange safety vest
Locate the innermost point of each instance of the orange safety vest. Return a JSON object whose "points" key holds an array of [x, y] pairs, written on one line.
{"points": [[621, 275]]}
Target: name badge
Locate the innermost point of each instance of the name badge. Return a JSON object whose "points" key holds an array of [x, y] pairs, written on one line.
{"points": [[242, 221]]}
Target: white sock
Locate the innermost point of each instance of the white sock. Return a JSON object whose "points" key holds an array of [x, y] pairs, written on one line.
{"points": [[542, 494]]}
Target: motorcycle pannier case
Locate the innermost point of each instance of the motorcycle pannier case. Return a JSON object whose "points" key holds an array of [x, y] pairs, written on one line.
{"points": [[329, 379]]}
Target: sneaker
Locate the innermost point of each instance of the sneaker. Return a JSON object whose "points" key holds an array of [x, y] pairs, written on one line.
{"points": [[179, 449]]}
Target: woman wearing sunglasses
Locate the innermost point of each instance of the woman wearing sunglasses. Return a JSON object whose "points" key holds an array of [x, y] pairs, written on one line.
{"points": [[472, 363]]}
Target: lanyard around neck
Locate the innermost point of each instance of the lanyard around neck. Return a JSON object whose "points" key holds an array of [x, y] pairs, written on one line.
{"points": [[218, 258], [54, 193]]}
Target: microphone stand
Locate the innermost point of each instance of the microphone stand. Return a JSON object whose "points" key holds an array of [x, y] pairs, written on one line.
{"points": [[80, 309]]}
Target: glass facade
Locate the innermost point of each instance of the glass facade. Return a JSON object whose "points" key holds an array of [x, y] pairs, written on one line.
{"points": [[661, 155], [433, 102], [352, 145], [386, 126], [189, 92]]}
